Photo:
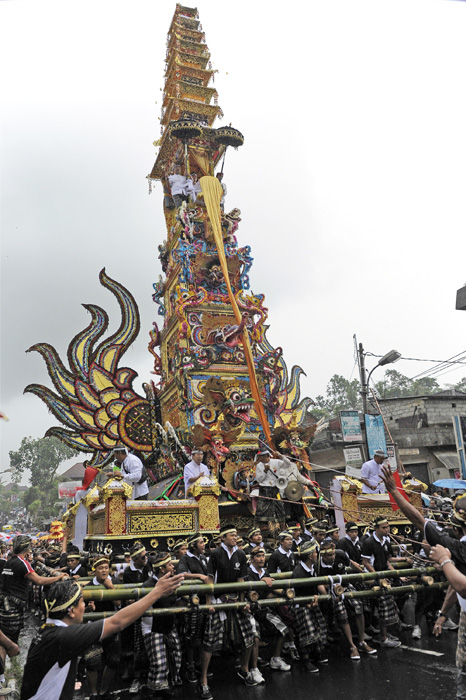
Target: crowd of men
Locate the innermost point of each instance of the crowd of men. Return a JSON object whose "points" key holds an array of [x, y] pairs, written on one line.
{"points": [[161, 652]]}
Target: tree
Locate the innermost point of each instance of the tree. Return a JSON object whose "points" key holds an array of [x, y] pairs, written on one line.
{"points": [[32, 494], [342, 394], [34, 508], [461, 385], [42, 457], [394, 385]]}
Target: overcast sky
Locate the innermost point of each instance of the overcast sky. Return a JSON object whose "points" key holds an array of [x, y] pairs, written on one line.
{"points": [[351, 179]]}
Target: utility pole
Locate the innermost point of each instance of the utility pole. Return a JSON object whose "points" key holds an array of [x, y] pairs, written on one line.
{"points": [[362, 378]]}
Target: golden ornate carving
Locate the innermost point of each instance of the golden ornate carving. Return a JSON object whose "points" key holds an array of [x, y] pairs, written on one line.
{"points": [[162, 523], [92, 498], [349, 503], [205, 485], [209, 518], [116, 515], [349, 483], [116, 485]]}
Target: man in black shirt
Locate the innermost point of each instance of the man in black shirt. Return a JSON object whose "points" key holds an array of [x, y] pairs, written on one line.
{"points": [[333, 562], [312, 630], [74, 568], [255, 540], [138, 569], [283, 558], [227, 564], [16, 577], [50, 670], [295, 530], [319, 531], [137, 572], [307, 533], [268, 621], [105, 656], [194, 566], [434, 535], [351, 546], [376, 555], [161, 637]]}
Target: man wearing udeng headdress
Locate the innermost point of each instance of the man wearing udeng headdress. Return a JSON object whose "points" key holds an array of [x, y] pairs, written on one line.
{"points": [[132, 470], [434, 534], [50, 670], [16, 576]]}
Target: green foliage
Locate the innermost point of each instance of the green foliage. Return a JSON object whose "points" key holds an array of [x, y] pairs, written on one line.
{"points": [[35, 506], [395, 385], [42, 457], [40, 502], [461, 385], [32, 494], [342, 394]]}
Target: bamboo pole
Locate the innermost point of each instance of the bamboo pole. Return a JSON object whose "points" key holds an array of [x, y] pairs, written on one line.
{"points": [[101, 593], [83, 581], [274, 602]]}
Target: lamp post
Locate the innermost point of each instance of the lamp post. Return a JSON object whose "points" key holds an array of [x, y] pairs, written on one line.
{"points": [[388, 359]]}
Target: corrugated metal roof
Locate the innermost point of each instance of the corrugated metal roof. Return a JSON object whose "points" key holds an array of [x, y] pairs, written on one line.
{"points": [[448, 459]]}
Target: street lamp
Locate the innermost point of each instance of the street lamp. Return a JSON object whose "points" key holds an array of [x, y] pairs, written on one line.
{"points": [[388, 359]]}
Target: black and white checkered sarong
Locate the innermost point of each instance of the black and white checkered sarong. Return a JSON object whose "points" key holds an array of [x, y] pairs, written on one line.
{"points": [[388, 612], [269, 624], [193, 628], [12, 620], [461, 647], [312, 628], [341, 607], [236, 630], [164, 652]]}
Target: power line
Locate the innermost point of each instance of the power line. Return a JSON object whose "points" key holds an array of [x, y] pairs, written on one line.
{"points": [[440, 365], [420, 359]]}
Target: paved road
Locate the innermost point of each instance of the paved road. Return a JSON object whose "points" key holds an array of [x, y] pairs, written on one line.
{"points": [[420, 669], [407, 673]]}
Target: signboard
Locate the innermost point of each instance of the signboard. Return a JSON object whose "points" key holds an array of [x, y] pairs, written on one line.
{"points": [[353, 461], [391, 458], [459, 428], [350, 426], [67, 489], [375, 434]]}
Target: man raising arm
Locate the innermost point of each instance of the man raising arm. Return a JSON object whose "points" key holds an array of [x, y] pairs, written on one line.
{"points": [[50, 670]]}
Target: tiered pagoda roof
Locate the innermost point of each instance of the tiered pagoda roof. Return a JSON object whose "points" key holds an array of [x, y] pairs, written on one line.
{"points": [[187, 94]]}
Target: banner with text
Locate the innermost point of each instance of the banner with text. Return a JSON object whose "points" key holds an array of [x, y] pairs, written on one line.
{"points": [[350, 426], [353, 461], [459, 428], [375, 434]]}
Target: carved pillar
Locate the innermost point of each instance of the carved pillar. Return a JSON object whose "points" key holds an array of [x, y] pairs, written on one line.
{"points": [[115, 493], [206, 492]]}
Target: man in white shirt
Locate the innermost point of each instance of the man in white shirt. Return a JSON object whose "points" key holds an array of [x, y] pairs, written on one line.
{"points": [[194, 470], [193, 186], [371, 473], [178, 186], [131, 471], [224, 188]]}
